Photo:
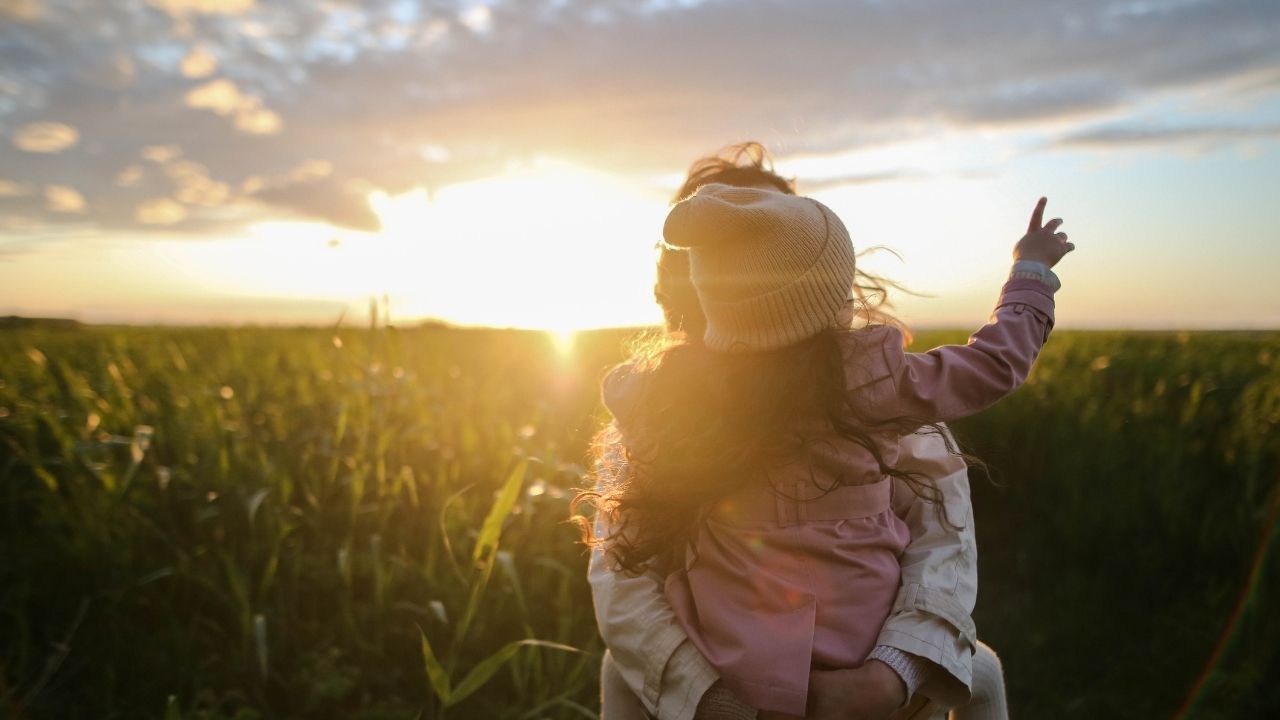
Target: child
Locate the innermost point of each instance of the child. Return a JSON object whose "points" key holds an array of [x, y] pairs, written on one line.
{"points": [[760, 464]]}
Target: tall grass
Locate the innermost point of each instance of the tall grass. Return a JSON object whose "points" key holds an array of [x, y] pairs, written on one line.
{"points": [[276, 523], [1139, 475], [208, 523]]}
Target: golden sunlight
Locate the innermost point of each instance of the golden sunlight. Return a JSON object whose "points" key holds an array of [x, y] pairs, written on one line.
{"points": [[546, 245], [562, 340]]}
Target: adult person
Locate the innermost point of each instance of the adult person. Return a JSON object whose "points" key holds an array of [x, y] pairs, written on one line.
{"points": [[927, 645]]}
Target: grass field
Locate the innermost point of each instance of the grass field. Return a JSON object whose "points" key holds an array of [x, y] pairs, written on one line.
{"points": [[254, 523]]}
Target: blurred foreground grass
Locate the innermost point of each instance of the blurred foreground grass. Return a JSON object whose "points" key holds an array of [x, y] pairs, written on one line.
{"points": [[208, 523]]}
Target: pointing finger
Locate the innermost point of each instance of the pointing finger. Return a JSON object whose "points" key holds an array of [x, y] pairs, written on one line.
{"points": [[1037, 215]]}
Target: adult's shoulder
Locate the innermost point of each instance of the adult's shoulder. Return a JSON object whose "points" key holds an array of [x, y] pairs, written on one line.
{"points": [[931, 451]]}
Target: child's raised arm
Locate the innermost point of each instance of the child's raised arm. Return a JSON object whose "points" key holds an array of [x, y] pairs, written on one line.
{"points": [[953, 381]]}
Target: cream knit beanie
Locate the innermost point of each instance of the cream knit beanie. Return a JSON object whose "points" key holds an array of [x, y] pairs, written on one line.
{"points": [[770, 269]]}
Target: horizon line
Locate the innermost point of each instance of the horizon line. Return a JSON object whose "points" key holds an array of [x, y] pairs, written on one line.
{"points": [[12, 322]]}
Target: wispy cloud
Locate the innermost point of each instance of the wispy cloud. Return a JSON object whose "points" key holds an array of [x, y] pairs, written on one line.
{"points": [[63, 199], [223, 98], [159, 211], [10, 188], [181, 8], [818, 185], [198, 63], [1124, 136], [45, 137]]}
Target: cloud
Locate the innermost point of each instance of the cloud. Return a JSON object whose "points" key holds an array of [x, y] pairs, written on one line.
{"points": [[818, 185], [161, 153], [179, 8], [21, 9], [1104, 138], [223, 97], [311, 170], [63, 199], [298, 108], [343, 204], [45, 137], [199, 63], [257, 120], [9, 188], [477, 19], [193, 185], [159, 211], [129, 176]]}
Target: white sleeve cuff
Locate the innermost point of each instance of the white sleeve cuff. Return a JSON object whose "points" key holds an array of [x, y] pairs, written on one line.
{"points": [[1034, 270], [913, 670]]}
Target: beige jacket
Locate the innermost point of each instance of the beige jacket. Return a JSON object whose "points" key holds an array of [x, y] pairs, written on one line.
{"points": [[931, 617]]}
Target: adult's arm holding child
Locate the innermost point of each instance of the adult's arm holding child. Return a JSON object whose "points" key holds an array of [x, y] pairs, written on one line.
{"points": [[931, 618], [649, 649]]}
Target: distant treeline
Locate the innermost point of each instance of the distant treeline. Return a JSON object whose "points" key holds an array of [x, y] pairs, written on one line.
{"points": [[9, 322]]}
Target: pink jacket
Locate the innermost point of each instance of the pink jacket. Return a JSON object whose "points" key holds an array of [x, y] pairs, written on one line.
{"points": [[658, 672], [792, 579]]}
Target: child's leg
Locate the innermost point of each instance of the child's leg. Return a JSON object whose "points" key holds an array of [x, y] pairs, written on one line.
{"points": [[988, 701]]}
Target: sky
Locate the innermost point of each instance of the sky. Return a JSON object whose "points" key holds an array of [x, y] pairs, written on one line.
{"points": [[510, 162]]}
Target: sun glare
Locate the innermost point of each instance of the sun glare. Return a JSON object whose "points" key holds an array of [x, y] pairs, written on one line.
{"points": [[547, 245], [563, 340]]}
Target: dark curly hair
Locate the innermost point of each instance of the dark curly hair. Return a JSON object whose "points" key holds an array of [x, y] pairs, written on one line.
{"points": [[700, 425]]}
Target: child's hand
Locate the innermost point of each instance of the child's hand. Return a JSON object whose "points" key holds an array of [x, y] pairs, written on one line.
{"points": [[1042, 244]]}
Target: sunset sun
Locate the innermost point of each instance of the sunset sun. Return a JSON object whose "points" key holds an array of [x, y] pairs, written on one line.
{"points": [[545, 245]]}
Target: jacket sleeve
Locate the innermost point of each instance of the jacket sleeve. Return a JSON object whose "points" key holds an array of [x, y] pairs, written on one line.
{"points": [[954, 381], [931, 617], [650, 649]]}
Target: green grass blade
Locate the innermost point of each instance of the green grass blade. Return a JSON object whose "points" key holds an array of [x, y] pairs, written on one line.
{"points": [[444, 532], [436, 674], [487, 547], [491, 530], [579, 709], [485, 669]]}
